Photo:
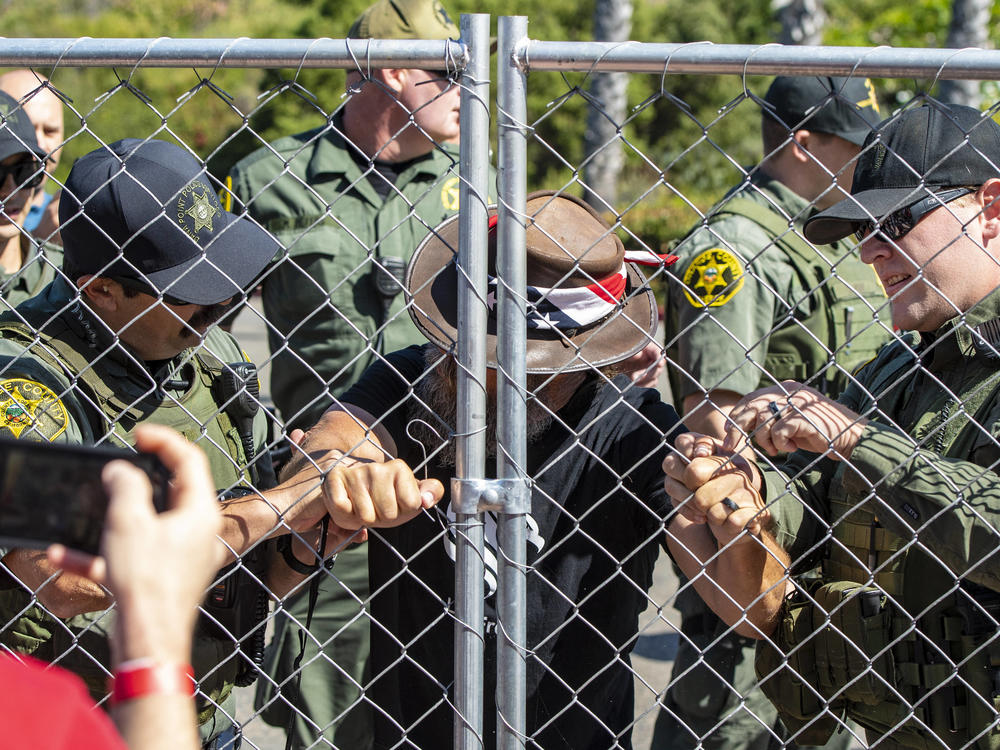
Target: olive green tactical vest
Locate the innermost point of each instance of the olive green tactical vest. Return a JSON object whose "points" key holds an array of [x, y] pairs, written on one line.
{"points": [[838, 336], [944, 667], [117, 398]]}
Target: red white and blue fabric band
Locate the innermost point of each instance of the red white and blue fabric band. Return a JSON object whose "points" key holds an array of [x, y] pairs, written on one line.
{"points": [[571, 308]]}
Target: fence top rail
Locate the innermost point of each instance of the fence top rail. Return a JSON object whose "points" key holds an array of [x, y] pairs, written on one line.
{"points": [[635, 57], [166, 52], [768, 59]]}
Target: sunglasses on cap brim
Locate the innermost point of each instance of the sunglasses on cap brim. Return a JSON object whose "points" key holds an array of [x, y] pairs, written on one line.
{"points": [[895, 226], [136, 285]]}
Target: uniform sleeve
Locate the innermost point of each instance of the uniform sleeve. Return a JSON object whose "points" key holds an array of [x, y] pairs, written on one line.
{"points": [[233, 195], [36, 402], [797, 491], [724, 292], [386, 386], [950, 507]]}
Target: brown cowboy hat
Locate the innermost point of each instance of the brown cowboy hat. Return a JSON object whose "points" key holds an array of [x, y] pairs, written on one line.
{"points": [[570, 249]]}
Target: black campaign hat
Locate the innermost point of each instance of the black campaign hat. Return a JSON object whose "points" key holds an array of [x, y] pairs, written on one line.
{"points": [[917, 152], [146, 210], [17, 134], [844, 107]]}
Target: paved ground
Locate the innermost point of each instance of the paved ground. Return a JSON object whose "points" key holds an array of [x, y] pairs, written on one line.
{"points": [[652, 657]]}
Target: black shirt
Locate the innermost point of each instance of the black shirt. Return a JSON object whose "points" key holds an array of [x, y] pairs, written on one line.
{"points": [[598, 506]]}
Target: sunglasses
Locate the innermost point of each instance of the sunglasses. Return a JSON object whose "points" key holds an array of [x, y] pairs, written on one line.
{"points": [[440, 75], [894, 226], [140, 286], [28, 174]]}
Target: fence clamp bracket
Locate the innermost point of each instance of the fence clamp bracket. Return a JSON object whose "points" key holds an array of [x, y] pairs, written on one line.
{"points": [[511, 496]]}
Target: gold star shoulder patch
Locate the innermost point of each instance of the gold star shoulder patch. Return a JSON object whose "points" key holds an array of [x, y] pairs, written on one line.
{"points": [[26, 403], [449, 194], [713, 278]]}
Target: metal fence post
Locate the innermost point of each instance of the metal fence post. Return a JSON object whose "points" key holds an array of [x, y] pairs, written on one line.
{"points": [[511, 384], [471, 417]]}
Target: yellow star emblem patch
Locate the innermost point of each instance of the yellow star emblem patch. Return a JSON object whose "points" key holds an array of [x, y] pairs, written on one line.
{"points": [[449, 194], [202, 211], [25, 403], [713, 278]]}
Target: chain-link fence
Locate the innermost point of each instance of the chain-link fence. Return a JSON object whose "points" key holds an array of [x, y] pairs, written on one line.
{"points": [[510, 613]]}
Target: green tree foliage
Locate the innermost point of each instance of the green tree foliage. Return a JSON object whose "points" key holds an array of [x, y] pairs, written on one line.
{"points": [[688, 137]]}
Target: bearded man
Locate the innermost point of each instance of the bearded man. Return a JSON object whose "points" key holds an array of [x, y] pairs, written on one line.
{"points": [[597, 505]]}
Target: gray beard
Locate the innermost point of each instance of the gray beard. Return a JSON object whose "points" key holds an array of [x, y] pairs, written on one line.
{"points": [[437, 393]]}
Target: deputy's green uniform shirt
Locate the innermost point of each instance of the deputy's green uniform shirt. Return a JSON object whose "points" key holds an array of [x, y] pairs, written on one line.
{"points": [[917, 510], [741, 301], [323, 309], [38, 269], [39, 401], [325, 315], [750, 305]]}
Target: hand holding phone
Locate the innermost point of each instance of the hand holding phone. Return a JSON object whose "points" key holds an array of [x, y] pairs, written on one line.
{"points": [[53, 493], [157, 565]]}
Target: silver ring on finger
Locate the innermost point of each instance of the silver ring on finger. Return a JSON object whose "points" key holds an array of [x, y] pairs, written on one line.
{"points": [[730, 503], [772, 406]]}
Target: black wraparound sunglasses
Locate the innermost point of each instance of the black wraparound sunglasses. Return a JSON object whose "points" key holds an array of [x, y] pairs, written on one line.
{"points": [[894, 226], [27, 173]]}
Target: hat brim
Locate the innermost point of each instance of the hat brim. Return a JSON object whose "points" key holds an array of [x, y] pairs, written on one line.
{"points": [[231, 262], [842, 218], [11, 145], [432, 283], [857, 137]]}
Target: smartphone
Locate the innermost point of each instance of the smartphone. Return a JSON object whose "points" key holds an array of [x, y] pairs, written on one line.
{"points": [[53, 492]]}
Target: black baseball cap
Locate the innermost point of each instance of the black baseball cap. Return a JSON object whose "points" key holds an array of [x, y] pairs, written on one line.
{"points": [[919, 151], [845, 107], [17, 134], [145, 210]]}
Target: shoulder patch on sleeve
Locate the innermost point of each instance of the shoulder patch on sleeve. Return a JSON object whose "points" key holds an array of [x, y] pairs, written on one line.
{"points": [[27, 403], [449, 194], [713, 278]]}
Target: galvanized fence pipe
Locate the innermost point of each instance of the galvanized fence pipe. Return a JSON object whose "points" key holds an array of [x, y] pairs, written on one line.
{"points": [[232, 53], [471, 416], [706, 58], [512, 452]]}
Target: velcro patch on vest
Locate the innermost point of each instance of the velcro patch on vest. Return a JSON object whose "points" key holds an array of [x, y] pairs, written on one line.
{"points": [[27, 404], [713, 278]]}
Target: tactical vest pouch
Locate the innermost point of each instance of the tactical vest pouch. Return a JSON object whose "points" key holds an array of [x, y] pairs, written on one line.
{"points": [[980, 673], [785, 668], [235, 612], [984, 694], [853, 626]]}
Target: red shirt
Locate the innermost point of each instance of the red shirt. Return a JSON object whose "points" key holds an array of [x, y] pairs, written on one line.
{"points": [[50, 708]]}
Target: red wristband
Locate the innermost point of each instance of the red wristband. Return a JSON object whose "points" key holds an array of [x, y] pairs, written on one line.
{"points": [[142, 677]]}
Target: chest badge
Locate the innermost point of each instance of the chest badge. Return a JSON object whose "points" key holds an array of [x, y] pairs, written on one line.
{"points": [[713, 278]]}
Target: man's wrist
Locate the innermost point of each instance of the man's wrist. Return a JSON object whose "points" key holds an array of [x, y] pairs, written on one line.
{"points": [[854, 433], [286, 548], [145, 638], [140, 678], [754, 475]]}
